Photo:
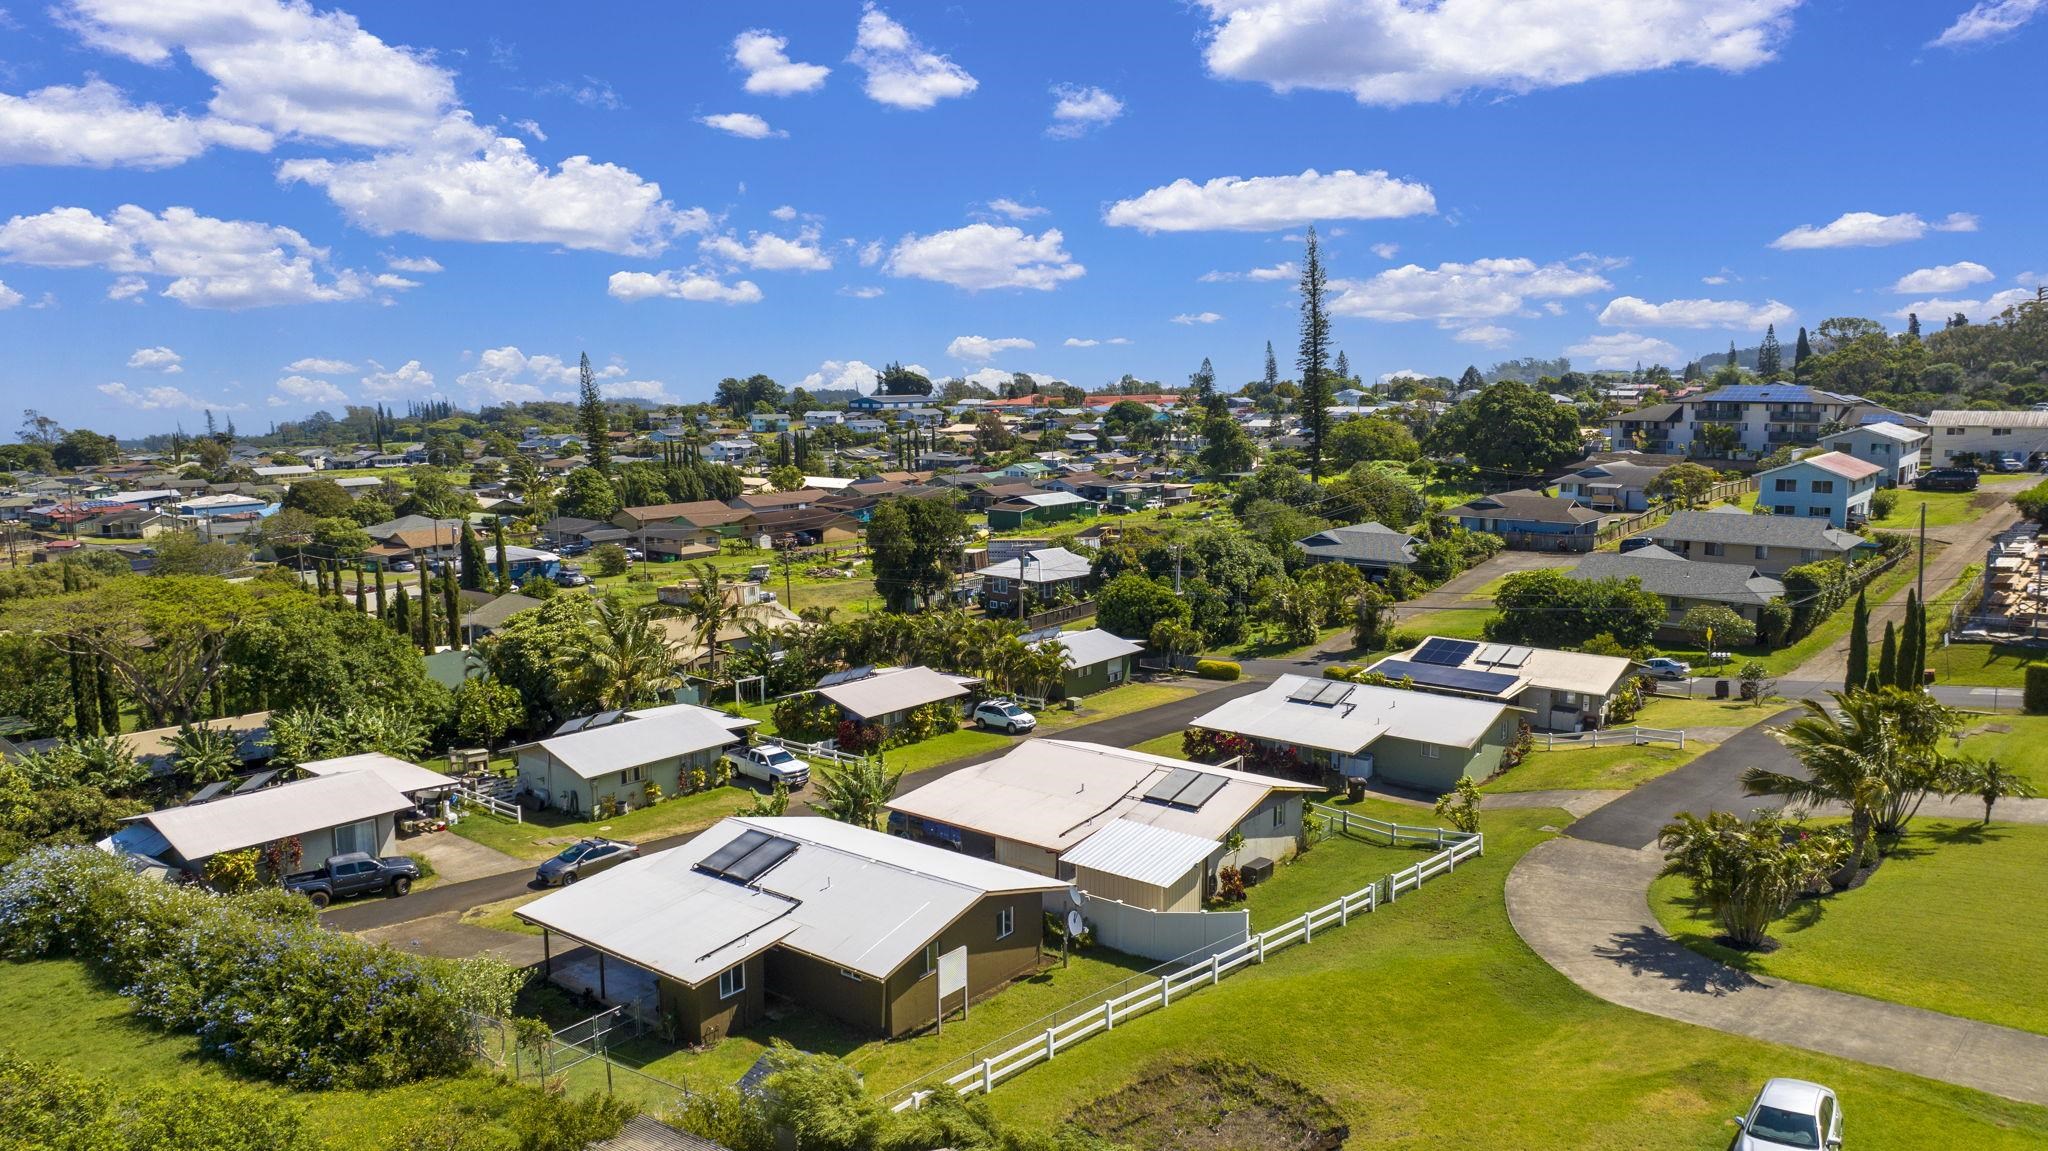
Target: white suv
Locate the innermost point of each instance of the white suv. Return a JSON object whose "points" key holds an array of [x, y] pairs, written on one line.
{"points": [[1003, 715], [1791, 1113]]}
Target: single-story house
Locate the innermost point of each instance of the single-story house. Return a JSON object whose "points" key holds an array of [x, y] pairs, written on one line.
{"points": [[1411, 739], [126, 523], [1532, 520], [616, 755], [1616, 486], [1833, 486], [567, 529], [1046, 572], [407, 778], [843, 920], [1560, 690], [482, 621], [807, 526], [882, 696], [328, 815], [710, 516], [1372, 548], [1048, 799], [1770, 544], [1096, 660], [1037, 508], [154, 749], [1892, 447], [1685, 583]]}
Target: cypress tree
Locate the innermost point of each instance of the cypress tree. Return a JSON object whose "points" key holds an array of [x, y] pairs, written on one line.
{"points": [[1733, 360], [103, 687], [474, 565], [1314, 360], [362, 592], [498, 530], [1802, 351], [1888, 658], [451, 610], [425, 634], [401, 613], [383, 605], [85, 706], [1859, 647], [1908, 672]]}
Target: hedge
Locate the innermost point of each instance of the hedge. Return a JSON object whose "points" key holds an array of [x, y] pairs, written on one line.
{"points": [[1217, 669], [2036, 698]]}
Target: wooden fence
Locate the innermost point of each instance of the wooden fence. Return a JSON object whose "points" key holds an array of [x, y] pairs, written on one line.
{"points": [[1053, 615], [1720, 492], [983, 1075]]}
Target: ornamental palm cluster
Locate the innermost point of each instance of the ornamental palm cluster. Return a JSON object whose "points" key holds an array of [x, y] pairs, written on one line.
{"points": [[1747, 873]]}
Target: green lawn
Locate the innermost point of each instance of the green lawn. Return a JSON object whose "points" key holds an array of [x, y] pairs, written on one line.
{"points": [[2018, 742], [544, 833], [1952, 922], [1830, 631], [1109, 704], [498, 916], [1429, 1024], [1167, 745], [1703, 710], [943, 749], [1459, 622], [1944, 509], [1984, 664], [1618, 767], [51, 1009], [1260, 644]]}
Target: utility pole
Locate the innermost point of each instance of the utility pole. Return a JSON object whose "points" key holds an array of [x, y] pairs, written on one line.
{"points": [[1022, 561], [1176, 569], [1922, 575]]}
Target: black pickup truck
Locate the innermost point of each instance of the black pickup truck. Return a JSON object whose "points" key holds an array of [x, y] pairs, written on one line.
{"points": [[356, 873]]}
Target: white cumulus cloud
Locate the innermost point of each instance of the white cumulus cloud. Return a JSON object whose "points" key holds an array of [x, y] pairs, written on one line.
{"points": [[419, 264], [1270, 203], [1015, 210], [1480, 290], [901, 71], [1870, 230], [984, 348], [745, 125], [297, 389], [1625, 350], [210, 263], [1078, 342], [765, 251], [1078, 111], [1988, 20], [1632, 311], [8, 297], [683, 284], [157, 359], [1944, 278], [982, 256], [1285, 270], [162, 397], [764, 57], [317, 366], [94, 126], [407, 379], [1392, 52], [1490, 335], [1196, 318], [841, 375], [1977, 310]]}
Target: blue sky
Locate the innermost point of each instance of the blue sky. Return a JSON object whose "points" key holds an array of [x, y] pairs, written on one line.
{"points": [[267, 208]]}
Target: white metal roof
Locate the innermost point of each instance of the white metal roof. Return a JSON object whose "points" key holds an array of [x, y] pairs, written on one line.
{"points": [[1950, 417], [1889, 430], [1365, 714], [409, 778], [1546, 667], [662, 733], [1142, 852], [894, 689], [1093, 646], [237, 821], [851, 897], [1054, 793], [1048, 565]]}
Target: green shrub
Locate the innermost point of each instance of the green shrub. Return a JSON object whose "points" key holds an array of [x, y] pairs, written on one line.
{"points": [[1883, 502], [2033, 502], [1217, 669], [2036, 698]]}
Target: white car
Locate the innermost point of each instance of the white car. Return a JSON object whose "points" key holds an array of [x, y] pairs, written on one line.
{"points": [[1003, 715], [1664, 667], [771, 763], [1791, 1113]]}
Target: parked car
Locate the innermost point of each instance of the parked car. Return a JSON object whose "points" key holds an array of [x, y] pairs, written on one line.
{"points": [[1664, 667], [1791, 1113], [585, 857], [354, 873], [771, 763], [1003, 715], [1947, 480], [574, 548], [571, 577], [404, 566]]}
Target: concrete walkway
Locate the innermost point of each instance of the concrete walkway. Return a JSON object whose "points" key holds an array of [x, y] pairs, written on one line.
{"points": [[456, 859], [1582, 906]]}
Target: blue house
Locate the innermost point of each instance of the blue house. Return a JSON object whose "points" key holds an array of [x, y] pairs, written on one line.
{"points": [[1832, 486], [1532, 520]]}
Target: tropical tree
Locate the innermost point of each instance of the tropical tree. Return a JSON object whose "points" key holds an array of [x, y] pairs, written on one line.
{"points": [[713, 609], [1989, 781], [618, 658], [855, 793], [205, 754], [1747, 874]]}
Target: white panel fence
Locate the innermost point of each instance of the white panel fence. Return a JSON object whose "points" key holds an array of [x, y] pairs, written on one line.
{"points": [[1608, 737], [490, 799], [1169, 989]]}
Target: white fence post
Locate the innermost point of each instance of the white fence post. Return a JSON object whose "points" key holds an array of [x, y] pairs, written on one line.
{"points": [[988, 1079], [1051, 1042], [1165, 991]]}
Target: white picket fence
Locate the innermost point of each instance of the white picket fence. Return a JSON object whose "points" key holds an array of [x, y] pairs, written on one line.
{"points": [[1170, 989], [473, 794], [1608, 737], [826, 750]]}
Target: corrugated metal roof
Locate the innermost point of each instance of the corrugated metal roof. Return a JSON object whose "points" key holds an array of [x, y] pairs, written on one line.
{"points": [[851, 897], [1976, 419], [661, 733], [258, 817], [1142, 852], [1093, 646], [894, 689], [1365, 715], [404, 776]]}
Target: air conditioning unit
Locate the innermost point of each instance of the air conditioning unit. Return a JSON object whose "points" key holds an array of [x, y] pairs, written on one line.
{"points": [[1257, 871]]}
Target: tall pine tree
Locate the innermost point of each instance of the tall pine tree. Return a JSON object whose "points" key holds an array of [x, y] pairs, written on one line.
{"points": [[1888, 658], [1343, 367], [1314, 360], [1904, 673], [1802, 351], [1202, 383], [1770, 358], [1272, 366], [591, 417], [1859, 647], [1913, 324], [451, 610], [498, 530], [474, 565]]}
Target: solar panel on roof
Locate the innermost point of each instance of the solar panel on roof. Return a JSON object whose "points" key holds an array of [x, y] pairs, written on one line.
{"points": [[1175, 782], [209, 791], [1200, 791], [255, 781], [735, 848], [1307, 692], [1447, 652], [1488, 653], [1041, 635], [1334, 693], [1453, 678], [756, 863], [1515, 657], [847, 676]]}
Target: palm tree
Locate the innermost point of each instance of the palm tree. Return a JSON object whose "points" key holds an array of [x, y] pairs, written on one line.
{"points": [[1852, 761], [1747, 874], [1989, 782], [620, 659], [712, 610], [854, 793]]}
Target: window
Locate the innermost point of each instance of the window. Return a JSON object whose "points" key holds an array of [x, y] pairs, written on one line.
{"points": [[853, 975], [930, 958], [1823, 487], [360, 836], [632, 775], [2001, 431], [1713, 549], [1279, 815], [1006, 922], [732, 982], [1762, 552], [1430, 751], [1784, 485], [1116, 672], [1955, 431], [1817, 513]]}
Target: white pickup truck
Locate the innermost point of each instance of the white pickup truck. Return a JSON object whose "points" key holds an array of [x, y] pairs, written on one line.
{"points": [[771, 763]]}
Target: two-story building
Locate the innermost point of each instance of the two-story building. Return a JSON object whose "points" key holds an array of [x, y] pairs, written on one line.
{"points": [[1833, 486], [1770, 544], [1894, 448], [1981, 437], [1616, 486], [1741, 421], [1532, 520]]}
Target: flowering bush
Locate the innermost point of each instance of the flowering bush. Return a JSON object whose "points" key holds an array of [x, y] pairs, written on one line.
{"points": [[856, 738], [255, 977]]}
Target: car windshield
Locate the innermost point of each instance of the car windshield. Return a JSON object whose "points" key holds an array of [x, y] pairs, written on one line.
{"points": [[775, 755], [1003, 708], [572, 853], [1785, 1128]]}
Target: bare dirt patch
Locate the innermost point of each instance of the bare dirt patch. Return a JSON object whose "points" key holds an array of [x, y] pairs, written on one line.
{"points": [[1215, 1105]]}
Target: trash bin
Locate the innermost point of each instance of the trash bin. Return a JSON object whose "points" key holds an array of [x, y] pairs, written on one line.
{"points": [[1720, 689], [1354, 788]]}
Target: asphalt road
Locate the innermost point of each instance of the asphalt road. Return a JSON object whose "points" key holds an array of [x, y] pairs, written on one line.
{"points": [[1710, 783], [1118, 731]]}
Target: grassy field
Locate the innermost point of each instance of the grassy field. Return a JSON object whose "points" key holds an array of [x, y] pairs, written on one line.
{"points": [[2018, 742], [545, 832], [1263, 645], [1944, 509], [1167, 745], [51, 1009], [1952, 922], [1703, 710], [1613, 768], [1830, 632], [1459, 622], [1431, 1025], [1984, 664]]}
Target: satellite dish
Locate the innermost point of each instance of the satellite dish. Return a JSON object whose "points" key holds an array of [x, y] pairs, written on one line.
{"points": [[1076, 926]]}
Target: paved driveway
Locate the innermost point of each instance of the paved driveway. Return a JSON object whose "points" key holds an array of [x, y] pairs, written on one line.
{"points": [[1710, 783], [1452, 592]]}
